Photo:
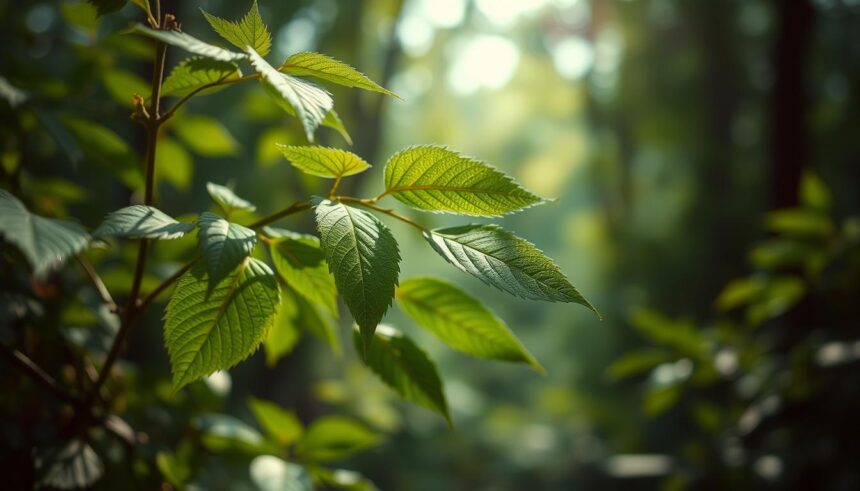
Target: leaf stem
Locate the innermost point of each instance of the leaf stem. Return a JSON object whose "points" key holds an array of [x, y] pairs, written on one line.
{"points": [[293, 208], [97, 282], [369, 203], [224, 81]]}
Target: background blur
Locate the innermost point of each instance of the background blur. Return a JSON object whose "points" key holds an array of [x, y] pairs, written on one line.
{"points": [[669, 130]]}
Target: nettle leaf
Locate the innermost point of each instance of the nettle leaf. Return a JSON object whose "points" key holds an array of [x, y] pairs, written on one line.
{"points": [[305, 100], [324, 162], [273, 474], [364, 258], [282, 425], [333, 438], [45, 242], [227, 199], [210, 329], [505, 261], [189, 43], [250, 31], [301, 262], [205, 136], [141, 222], [196, 72], [461, 321], [223, 244], [407, 369], [434, 178], [327, 68]]}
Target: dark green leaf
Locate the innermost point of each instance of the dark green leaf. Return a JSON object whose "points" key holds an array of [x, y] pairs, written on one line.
{"points": [[301, 262], [223, 244], [104, 7]]}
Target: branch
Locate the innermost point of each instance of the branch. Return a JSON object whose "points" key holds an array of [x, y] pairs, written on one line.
{"points": [[97, 283], [35, 372]]}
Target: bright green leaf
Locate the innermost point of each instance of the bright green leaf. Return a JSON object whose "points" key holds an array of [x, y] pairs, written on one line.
{"points": [[301, 262], [403, 366], [305, 100], [333, 438], [194, 73], [327, 68], [141, 222], [45, 242], [434, 178], [460, 321], [189, 43], [250, 31], [801, 222], [81, 14], [333, 121], [174, 163], [282, 425], [223, 244], [273, 474], [505, 261], [227, 199], [286, 329], [205, 136], [324, 162], [174, 471], [122, 85], [364, 258], [814, 193], [210, 329]]}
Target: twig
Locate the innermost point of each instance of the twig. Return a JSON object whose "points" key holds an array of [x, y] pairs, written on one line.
{"points": [[368, 203], [97, 282], [35, 372]]}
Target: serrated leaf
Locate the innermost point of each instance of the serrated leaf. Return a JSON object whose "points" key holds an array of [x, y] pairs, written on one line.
{"points": [[210, 329], [461, 321], [324, 162], [227, 199], [403, 366], [433, 178], [328, 68], [223, 244], [45, 242], [309, 103], [141, 222], [364, 258], [273, 474], [72, 466], [250, 31], [286, 329], [333, 438], [301, 262], [205, 136], [188, 43], [282, 425], [505, 261], [196, 72]]}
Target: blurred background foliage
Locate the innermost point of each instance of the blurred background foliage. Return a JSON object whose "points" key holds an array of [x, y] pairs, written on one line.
{"points": [[706, 163]]}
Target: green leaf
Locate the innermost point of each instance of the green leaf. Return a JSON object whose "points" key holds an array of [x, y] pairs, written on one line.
{"points": [[196, 72], [434, 178], [364, 258], [174, 470], [141, 222], [104, 7], [678, 334], [189, 43], [222, 433], [286, 329], [82, 15], [324, 162], [333, 438], [250, 31], [403, 366], [122, 85], [227, 199], [505, 261], [282, 425], [461, 321], [327, 68], [333, 121], [802, 222], [210, 329], [223, 244], [45, 242], [72, 466], [814, 193], [175, 165], [637, 362], [205, 136], [273, 474], [104, 147], [343, 479], [305, 100], [301, 262]]}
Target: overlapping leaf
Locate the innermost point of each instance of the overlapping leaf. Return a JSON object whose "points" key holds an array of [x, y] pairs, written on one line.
{"points": [[223, 244], [505, 261], [403, 366], [309, 103], [45, 242], [227, 199], [197, 72], [434, 178], [461, 321], [209, 329], [250, 31], [141, 222], [324, 162], [364, 258], [301, 262], [327, 68], [189, 43]]}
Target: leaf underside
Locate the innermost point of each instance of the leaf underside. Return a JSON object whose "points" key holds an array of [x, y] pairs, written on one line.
{"points": [[189, 43], [327, 68], [141, 222]]}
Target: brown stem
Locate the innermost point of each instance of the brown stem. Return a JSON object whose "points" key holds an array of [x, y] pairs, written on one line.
{"points": [[97, 283], [294, 208], [35, 372], [170, 112], [369, 203]]}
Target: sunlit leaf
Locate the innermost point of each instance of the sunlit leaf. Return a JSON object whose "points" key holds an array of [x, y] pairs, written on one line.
{"points": [[189, 43], [210, 329], [227, 199], [197, 72], [461, 321], [434, 178], [122, 85], [223, 244], [205, 136], [282, 425], [82, 15], [250, 31], [364, 258], [333, 438], [141, 222], [800, 222], [327, 68], [814, 193], [324, 162], [174, 163], [174, 471]]}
